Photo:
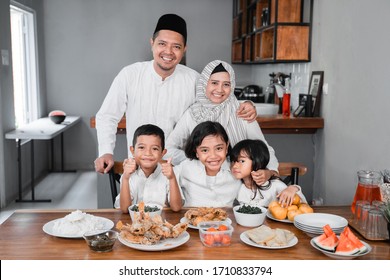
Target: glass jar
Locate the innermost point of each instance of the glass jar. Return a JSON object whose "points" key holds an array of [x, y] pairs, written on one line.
{"points": [[368, 187]]}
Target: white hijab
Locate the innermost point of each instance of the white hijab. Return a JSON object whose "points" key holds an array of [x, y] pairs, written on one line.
{"points": [[225, 113]]}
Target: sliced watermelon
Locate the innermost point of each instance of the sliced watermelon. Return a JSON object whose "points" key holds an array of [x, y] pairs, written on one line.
{"points": [[346, 246], [327, 243], [327, 230], [347, 231]]}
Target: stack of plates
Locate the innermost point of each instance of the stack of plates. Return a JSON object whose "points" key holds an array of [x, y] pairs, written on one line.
{"points": [[312, 224]]}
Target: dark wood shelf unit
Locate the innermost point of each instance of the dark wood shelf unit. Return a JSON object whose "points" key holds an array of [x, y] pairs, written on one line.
{"points": [[271, 31]]}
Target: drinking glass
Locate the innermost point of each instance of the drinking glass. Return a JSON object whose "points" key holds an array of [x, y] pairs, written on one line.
{"points": [[362, 224], [358, 210], [376, 228]]}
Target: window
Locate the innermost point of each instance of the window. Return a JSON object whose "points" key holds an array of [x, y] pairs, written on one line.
{"points": [[24, 64]]}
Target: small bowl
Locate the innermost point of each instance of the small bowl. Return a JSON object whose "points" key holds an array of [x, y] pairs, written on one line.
{"points": [[100, 241], [266, 109], [151, 214], [57, 116], [215, 237], [249, 220]]}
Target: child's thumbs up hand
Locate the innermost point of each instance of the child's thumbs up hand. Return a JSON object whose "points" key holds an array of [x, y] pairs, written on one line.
{"points": [[129, 167], [167, 169]]}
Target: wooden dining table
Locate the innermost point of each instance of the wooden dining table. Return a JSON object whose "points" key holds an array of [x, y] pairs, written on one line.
{"points": [[22, 238]]}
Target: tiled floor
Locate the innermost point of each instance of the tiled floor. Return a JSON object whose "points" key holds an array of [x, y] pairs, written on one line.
{"points": [[66, 190]]}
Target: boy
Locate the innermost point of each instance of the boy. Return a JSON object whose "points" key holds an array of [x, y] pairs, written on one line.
{"points": [[144, 179]]}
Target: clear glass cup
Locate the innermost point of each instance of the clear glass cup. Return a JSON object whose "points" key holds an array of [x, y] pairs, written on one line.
{"points": [[358, 211], [376, 225], [362, 224], [378, 204]]}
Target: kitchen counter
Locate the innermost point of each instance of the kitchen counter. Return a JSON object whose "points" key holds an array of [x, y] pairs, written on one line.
{"points": [[22, 237], [272, 124]]}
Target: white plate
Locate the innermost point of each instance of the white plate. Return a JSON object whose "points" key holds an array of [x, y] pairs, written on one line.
{"points": [[185, 220], [244, 238], [163, 245], [318, 220], [48, 228], [316, 230], [269, 215], [339, 256]]}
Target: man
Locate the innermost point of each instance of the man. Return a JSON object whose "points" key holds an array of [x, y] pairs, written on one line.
{"points": [[156, 92]]}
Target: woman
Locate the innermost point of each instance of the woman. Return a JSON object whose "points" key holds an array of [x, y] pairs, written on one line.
{"points": [[215, 101]]}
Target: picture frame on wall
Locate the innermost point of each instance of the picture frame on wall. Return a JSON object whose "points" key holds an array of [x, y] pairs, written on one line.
{"points": [[315, 90]]}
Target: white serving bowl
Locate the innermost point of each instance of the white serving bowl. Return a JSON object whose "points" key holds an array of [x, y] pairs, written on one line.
{"points": [[151, 214], [249, 220], [266, 109]]}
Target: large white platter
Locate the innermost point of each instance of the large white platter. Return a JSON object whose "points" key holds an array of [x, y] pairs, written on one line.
{"points": [[163, 245], [340, 256], [244, 238], [185, 220], [269, 215], [48, 228], [318, 220]]}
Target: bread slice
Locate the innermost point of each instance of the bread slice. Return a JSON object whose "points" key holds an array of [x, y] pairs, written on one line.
{"points": [[261, 234]]}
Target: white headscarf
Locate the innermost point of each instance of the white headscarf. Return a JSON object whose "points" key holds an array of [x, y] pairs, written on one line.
{"points": [[225, 113]]}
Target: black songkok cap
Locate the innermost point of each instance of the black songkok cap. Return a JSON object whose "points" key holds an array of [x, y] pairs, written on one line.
{"points": [[174, 23], [218, 68]]}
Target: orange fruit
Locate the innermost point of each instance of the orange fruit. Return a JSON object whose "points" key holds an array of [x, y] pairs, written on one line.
{"points": [[226, 240], [291, 214], [305, 208], [292, 207], [273, 204], [296, 200], [279, 212], [218, 238], [222, 228], [208, 239]]}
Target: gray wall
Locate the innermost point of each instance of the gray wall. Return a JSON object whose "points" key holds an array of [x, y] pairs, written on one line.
{"points": [[351, 45]]}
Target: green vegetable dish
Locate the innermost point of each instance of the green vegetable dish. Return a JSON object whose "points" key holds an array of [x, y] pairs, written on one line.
{"points": [[247, 209], [146, 209]]}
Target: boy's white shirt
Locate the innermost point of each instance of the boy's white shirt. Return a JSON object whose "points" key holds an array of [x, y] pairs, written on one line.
{"points": [[245, 195], [152, 189], [199, 190]]}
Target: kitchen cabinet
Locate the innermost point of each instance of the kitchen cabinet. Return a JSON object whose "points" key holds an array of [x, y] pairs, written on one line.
{"points": [[271, 31]]}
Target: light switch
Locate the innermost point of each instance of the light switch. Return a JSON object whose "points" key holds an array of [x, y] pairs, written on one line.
{"points": [[325, 88], [5, 57]]}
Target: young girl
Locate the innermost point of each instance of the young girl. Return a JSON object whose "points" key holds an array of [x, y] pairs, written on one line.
{"points": [[205, 177], [250, 155], [215, 101]]}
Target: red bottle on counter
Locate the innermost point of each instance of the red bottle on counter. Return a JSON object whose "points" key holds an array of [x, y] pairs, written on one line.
{"points": [[286, 104]]}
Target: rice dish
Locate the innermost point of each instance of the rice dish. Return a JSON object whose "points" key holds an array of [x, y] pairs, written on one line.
{"points": [[77, 223]]}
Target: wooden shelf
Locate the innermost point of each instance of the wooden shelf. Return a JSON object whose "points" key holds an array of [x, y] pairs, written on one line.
{"points": [[272, 124], [272, 31]]}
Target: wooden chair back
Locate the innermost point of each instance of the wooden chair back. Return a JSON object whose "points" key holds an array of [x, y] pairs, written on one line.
{"points": [[114, 176], [291, 171]]}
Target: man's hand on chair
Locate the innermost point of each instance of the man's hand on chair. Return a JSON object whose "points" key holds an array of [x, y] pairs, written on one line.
{"points": [[104, 163]]}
